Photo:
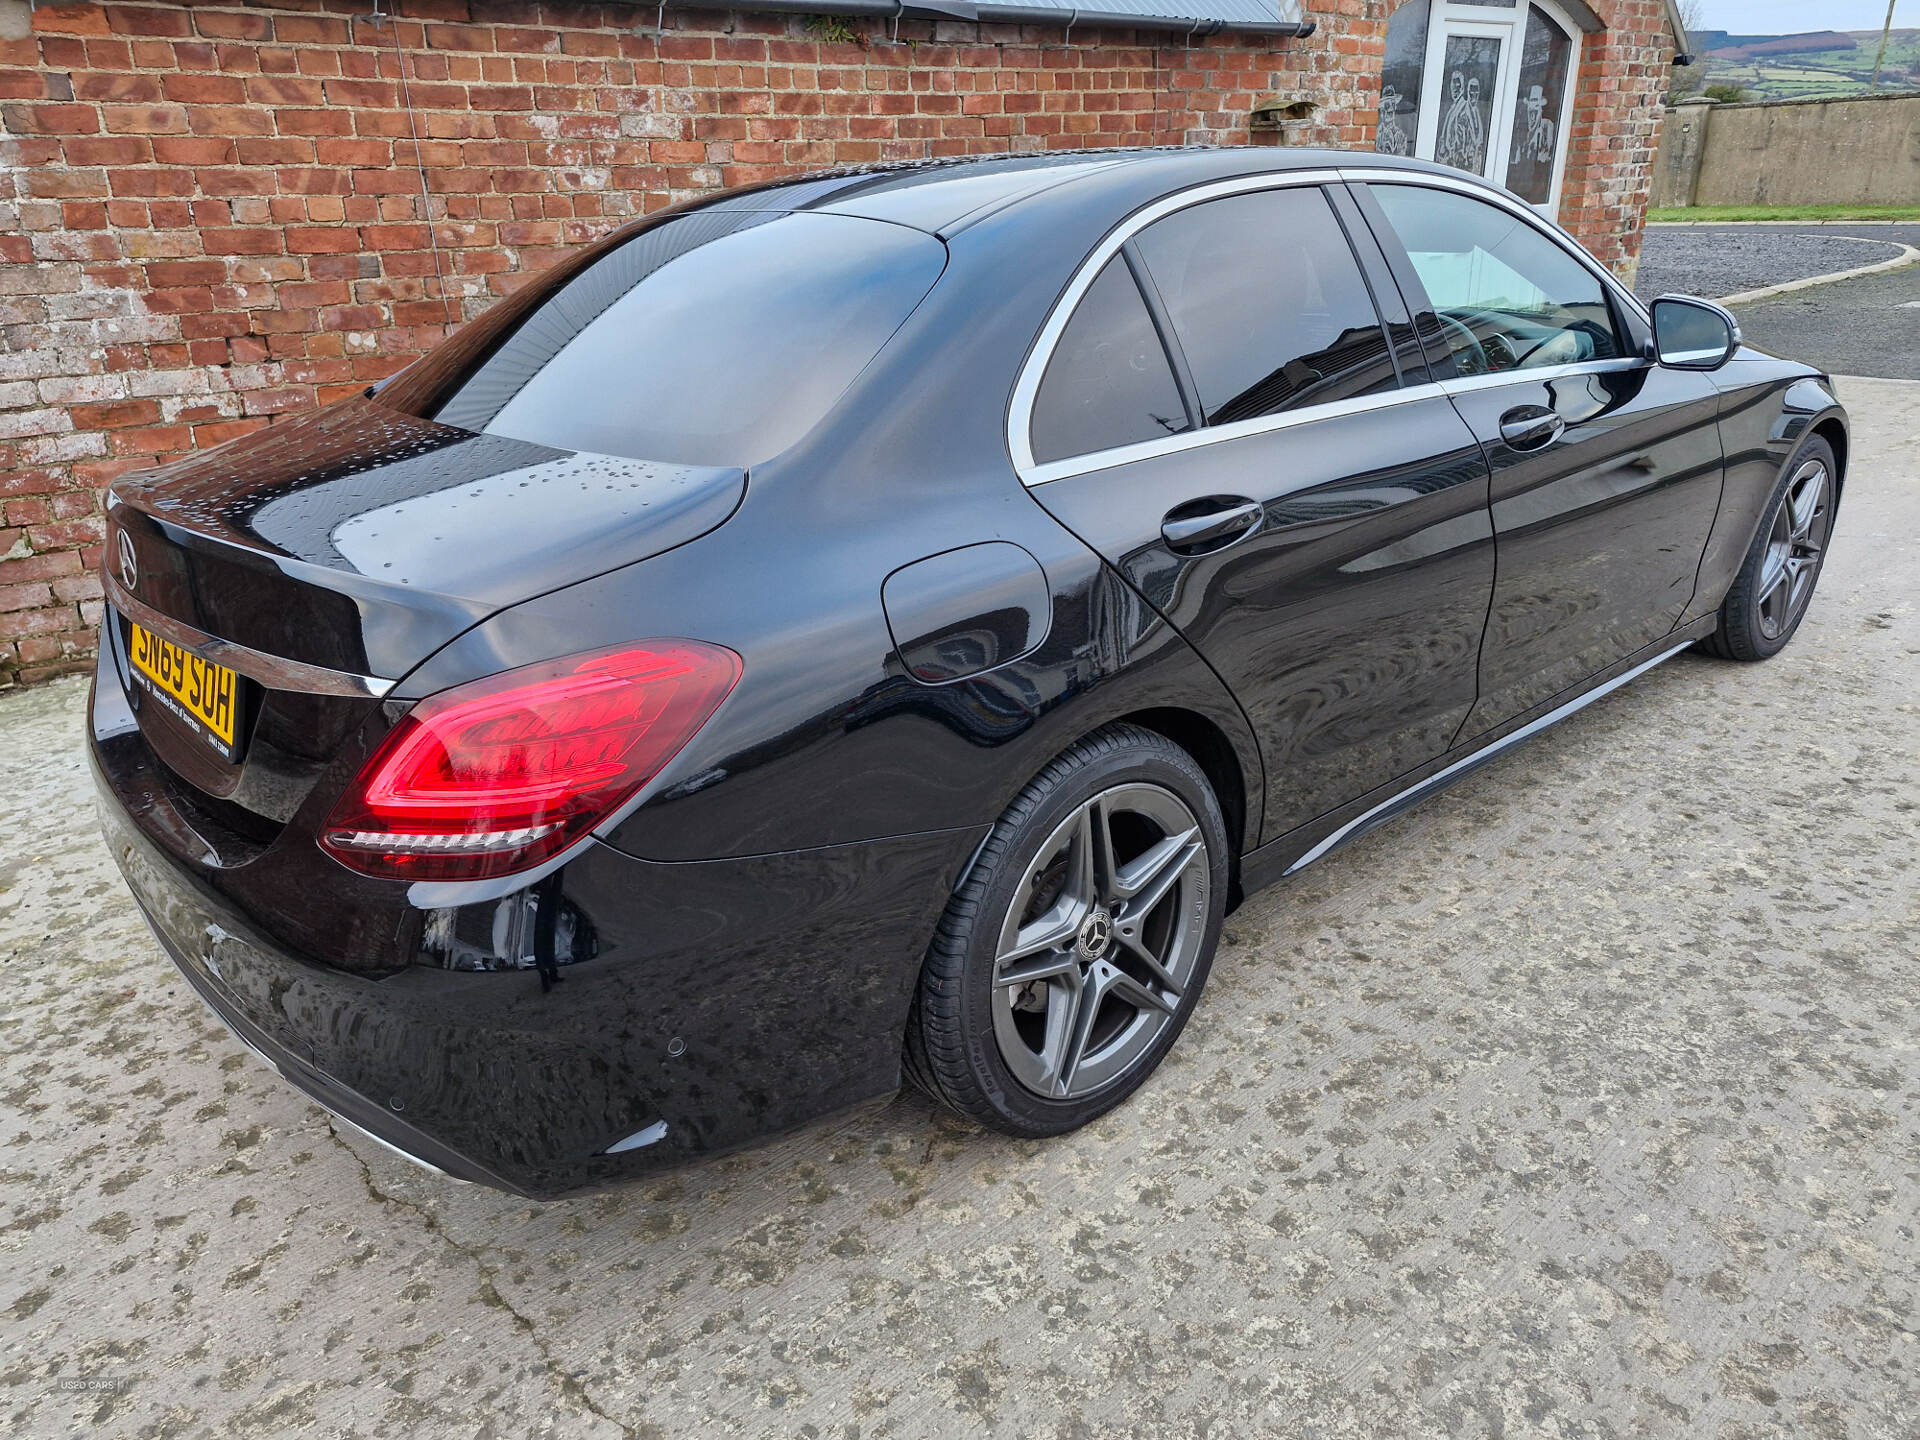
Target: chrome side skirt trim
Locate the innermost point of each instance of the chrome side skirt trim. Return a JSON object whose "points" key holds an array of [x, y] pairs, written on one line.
{"points": [[274, 671], [1440, 779]]}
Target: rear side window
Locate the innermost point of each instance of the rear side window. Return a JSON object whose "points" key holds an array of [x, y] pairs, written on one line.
{"points": [[1267, 303], [1108, 382], [717, 338], [1508, 298]]}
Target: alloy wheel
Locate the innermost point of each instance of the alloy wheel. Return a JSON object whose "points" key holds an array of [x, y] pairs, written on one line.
{"points": [[1794, 547], [1101, 941]]}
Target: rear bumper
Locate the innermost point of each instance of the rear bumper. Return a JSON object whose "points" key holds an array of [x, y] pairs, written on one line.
{"points": [[706, 1005], [384, 1126]]}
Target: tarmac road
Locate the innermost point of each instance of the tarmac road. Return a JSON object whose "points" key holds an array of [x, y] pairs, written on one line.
{"points": [[1868, 326], [1584, 1100]]}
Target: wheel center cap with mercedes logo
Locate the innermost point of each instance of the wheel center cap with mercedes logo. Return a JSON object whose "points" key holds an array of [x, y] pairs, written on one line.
{"points": [[1096, 933]]}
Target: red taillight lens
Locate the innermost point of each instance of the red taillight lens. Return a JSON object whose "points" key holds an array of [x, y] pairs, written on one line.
{"points": [[493, 777]]}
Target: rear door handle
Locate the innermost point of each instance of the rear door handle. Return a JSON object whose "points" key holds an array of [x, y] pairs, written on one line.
{"points": [[1529, 427], [1209, 524]]}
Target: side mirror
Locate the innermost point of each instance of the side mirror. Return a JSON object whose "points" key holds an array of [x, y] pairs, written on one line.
{"points": [[1691, 334]]}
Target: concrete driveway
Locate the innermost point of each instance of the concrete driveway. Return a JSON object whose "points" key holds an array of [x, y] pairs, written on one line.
{"points": [[1582, 1101]]}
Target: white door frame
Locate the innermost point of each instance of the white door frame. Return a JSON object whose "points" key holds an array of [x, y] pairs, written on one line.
{"points": [[1509, 26]]}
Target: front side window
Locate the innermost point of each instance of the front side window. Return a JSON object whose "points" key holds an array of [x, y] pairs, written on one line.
{"points": [[1508, 298], [1267, 304], [1108, 382]]}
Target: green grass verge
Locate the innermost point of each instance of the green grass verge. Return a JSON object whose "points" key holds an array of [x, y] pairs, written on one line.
{"points": [[1788, 212]]}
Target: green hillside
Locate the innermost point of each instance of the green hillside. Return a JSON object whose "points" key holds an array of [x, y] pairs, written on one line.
{"points": [[1838, 69]]}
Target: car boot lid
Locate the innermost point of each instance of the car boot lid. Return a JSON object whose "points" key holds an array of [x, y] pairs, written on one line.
{"points": [[424, 528]]}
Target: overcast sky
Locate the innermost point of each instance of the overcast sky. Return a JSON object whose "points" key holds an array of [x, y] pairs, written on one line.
{"points": [[1790, 17]]}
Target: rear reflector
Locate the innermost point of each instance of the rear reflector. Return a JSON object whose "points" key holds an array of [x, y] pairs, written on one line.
{"points": [[497, 776]]}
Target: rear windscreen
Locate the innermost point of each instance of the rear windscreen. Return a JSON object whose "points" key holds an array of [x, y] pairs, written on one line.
{"points": [[714, 338]]}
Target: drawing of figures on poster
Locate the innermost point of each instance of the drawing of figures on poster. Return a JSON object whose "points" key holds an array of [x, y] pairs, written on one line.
{"points": [[1401, 76], [1537, 106], [1471, 66]]}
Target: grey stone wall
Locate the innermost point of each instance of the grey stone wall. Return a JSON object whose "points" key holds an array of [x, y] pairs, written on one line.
{"points": [[1850, 151]]}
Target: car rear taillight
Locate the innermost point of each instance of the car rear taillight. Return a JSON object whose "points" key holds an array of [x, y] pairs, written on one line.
{"points": [[496, 776]]}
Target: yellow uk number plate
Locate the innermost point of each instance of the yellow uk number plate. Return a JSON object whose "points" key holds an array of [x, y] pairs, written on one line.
{"points": [[203, 695]]}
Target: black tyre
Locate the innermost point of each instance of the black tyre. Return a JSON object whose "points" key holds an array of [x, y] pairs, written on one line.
{"points": [[1769, 596], [1071, 956]]}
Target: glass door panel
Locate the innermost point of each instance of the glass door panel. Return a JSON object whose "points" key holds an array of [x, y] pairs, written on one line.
{"points": [[1539, 106], [1470, 78], [1401, 79]]}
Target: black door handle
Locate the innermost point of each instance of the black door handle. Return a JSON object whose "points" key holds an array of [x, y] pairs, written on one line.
{"points": [[1209, 524], [1528, 427]]}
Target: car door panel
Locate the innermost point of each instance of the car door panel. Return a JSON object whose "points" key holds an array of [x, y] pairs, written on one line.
{"points": [[1606, 468], [1318, 534], [1348, 621], [1599, 530]]}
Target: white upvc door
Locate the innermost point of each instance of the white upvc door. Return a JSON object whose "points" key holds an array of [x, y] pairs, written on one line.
{"points": [[1493, 94]]}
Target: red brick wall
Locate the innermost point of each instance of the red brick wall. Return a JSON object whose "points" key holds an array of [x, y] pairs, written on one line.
{"points": [[211, 214], [1617, 107]]}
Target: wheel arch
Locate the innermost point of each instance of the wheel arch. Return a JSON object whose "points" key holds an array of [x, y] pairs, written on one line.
{"points": [[1213, 752], [1833, 430]]}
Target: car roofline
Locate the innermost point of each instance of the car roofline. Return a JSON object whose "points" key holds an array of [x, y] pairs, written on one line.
{"points": [[1074, 166]]}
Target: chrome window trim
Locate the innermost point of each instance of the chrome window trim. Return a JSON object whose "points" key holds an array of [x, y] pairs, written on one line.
{"points": [[273, 671], [1027, 388], [1218, 434], [1464, 383]]}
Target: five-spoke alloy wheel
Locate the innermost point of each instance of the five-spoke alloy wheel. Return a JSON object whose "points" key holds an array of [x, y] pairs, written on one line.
{"points": [[1093, 966], [1074, 950], [1770, 595], [1794, 544]]}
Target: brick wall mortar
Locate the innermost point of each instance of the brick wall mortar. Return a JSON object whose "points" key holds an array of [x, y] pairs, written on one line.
{"points": [[211, 215]]}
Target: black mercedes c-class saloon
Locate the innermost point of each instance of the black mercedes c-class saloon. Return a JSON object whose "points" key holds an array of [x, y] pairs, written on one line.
{"points": [[874, 626]]}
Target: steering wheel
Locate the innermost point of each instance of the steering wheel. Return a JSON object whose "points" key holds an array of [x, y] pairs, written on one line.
{"points": [[1562, 348], [1473, 361]]}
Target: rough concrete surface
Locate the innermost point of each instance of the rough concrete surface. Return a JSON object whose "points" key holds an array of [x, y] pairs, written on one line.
{"points": [[1581, 1101], [1813, 150]]}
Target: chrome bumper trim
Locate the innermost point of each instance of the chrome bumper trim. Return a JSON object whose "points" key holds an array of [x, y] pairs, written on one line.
{"points": [[273, 671]]}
